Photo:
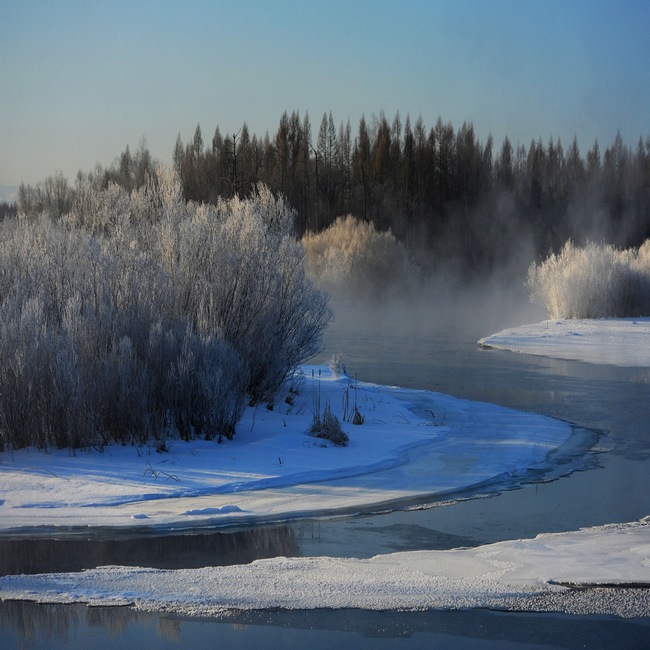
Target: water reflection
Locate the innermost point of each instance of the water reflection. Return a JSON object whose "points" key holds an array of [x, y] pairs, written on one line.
{"points": [[47, 555], [30, 626], [599, 397], [616, 400]]}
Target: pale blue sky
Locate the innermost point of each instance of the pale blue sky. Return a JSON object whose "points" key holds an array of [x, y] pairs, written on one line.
{"points": [[81, 79]]}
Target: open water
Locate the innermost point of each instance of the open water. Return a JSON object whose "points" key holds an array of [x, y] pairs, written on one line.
{"points": [[614, 402]]}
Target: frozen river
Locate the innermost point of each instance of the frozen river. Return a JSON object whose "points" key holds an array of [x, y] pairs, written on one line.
{"points": [[608, 399]]}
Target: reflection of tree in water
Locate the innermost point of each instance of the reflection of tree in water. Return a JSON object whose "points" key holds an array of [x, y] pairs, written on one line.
{"points": [[59, 624], [33, 623], [63, 625], [169, 629], [163, 552], [114, 620], [239, 627]]}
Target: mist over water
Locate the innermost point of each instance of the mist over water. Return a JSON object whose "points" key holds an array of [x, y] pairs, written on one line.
{"points": [[453, 308], [429, 341], [376, 287]]}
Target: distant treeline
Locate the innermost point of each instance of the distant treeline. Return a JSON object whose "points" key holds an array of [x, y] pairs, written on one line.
{"points": [[440, 190], [8, 209]]}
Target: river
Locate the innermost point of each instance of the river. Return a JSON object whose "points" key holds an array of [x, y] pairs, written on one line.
{"points": [[439, 355]]}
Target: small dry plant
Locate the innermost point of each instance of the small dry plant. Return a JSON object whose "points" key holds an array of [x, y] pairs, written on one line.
{"points": [[328, 427]]}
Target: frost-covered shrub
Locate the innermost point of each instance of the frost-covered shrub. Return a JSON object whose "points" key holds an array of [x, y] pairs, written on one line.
{"points": [[592, 282], [200, 383], [352, 258], [242, 273], [336, 364], [139, 316], [85, 358]]}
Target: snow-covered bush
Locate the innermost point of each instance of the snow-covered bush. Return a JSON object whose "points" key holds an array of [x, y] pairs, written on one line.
{"points": [[336, 364], [139, 316], [592, 282], [241, 272], [352, 258], [85, 356]]}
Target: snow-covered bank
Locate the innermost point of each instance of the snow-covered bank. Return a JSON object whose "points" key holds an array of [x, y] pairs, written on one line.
{"points": [[615, 341], [530, 575], [412, 444]]}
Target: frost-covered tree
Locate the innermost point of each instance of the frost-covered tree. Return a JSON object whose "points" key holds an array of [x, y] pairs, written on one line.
{"points": [[594, 281], [140, 315], [52, 197], [352, 259], [244, 275]]}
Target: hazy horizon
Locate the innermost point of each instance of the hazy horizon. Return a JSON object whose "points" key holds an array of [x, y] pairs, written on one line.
{"points": [[83, 81]]}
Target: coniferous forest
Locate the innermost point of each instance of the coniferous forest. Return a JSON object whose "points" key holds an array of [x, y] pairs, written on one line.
{"points": [[440, 190]]}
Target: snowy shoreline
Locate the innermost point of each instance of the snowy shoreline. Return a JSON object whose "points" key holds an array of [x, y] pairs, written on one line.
{"points": [[612, 341], [413, 443], [519, 575]]}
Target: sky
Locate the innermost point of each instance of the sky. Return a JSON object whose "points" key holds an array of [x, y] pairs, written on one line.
{"points": [[80, 80]]}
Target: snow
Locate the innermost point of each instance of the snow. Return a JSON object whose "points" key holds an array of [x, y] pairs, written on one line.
{"points": [[523, 574], [613, 341], [413, 444]]}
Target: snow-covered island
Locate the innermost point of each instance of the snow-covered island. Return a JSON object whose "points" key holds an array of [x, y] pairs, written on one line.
{"points": [[412, 444], [612, 341]]}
